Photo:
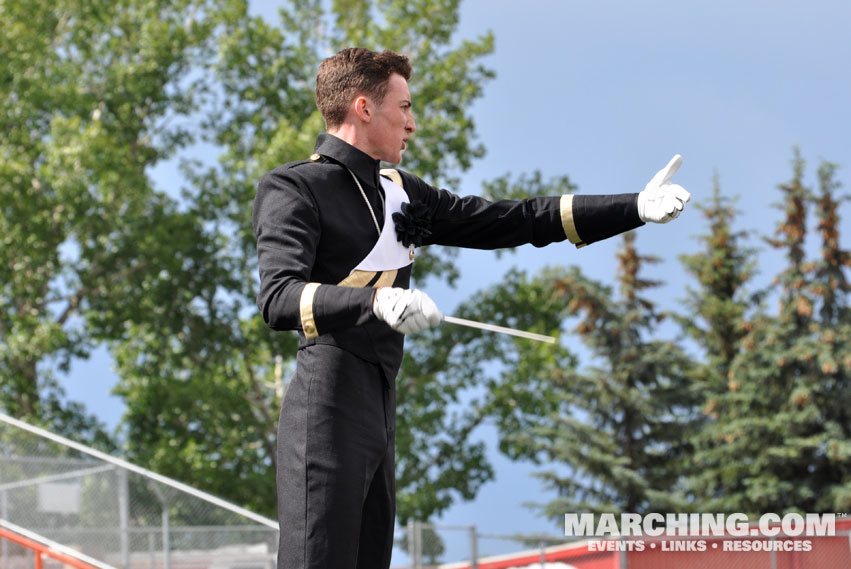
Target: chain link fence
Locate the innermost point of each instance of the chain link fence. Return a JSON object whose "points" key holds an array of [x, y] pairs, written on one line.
{"points": [[119, 513], [131, 518], [426, 546]]}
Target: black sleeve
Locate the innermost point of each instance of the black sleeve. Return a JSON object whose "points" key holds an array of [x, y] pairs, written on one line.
{"points": [[599, 217], [287, 226], [477, 223]]}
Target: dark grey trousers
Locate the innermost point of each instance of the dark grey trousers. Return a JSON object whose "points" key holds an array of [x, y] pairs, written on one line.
{"points": [[336, 480]]}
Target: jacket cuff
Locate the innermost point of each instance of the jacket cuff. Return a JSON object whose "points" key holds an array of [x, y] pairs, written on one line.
{"points": [[329, 308], [308, 319], [567, 221], [588, 219]]}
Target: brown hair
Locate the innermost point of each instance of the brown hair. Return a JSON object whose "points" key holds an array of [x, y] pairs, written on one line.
{"points": [[353, 72]]}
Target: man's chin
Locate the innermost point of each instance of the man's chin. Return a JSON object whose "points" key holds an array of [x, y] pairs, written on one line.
{"points": [[393, 160]]}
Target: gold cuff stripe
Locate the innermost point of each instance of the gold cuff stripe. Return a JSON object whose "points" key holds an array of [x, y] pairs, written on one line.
{"points": [[308, 324], [394, 175], [567, 223]]}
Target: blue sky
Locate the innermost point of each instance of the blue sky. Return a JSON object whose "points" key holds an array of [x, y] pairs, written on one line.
{"points": [[607, 91]]}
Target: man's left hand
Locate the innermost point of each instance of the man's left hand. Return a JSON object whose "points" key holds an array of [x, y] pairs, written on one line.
{"points": [[661, 201]]}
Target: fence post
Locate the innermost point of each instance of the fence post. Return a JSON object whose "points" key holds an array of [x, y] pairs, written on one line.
{"points": [[151, 550], [474, 547], [418, 544], [124, 517], [165, 526], [412, 544], [166, 538], [773, 554], [4, 514]]}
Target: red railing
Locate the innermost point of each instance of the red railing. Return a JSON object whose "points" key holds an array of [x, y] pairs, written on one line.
{"points": [[826, 551], [42, 549]]}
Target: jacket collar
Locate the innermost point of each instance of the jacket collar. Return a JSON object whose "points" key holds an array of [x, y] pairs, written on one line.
{"points": [[362, 164]]}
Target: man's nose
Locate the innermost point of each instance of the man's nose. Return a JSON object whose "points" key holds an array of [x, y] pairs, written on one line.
{"points": [[411, 126]]}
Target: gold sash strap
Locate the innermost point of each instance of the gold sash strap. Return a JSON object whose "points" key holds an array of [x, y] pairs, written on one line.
{"points": [[394, 176], [360, 279]]}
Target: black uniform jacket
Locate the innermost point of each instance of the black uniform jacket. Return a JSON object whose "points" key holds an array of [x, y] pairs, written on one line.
{"points": [[313, 227]]}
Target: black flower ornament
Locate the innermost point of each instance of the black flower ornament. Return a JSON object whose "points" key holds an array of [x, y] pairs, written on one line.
{"points": [[412, 224]]}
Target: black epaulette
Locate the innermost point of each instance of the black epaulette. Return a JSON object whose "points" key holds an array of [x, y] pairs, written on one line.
{"points": [[313, 159], [289, 165]]}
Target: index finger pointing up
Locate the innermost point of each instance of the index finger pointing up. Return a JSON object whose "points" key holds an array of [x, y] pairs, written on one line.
{"points": [[668, 171]]}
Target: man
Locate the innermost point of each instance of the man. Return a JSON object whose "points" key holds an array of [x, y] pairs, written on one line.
{"points": [[336, 240]]}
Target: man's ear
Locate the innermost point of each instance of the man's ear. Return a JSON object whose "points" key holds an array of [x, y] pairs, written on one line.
{"points": [[363, 108]]}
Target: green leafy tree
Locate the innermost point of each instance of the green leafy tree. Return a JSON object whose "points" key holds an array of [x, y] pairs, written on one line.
{"points": [[431, 546], [453, 378], [456, 378], [93, 98], [203, 397]]}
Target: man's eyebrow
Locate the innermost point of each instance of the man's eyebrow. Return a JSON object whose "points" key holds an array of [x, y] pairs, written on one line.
{"points": [[406, 103]]}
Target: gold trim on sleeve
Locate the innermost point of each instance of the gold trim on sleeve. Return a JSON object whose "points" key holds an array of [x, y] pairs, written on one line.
{"points": [[394, 176], [567, 223], [308, 324]]}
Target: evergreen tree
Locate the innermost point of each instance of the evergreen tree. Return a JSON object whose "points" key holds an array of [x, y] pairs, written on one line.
{"points": [[781, 440], [619, 428], [715, 321], [831, 292], [717, 308]]}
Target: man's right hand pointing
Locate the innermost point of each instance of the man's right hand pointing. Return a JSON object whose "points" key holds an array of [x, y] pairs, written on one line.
{"points": [[661, 201]]}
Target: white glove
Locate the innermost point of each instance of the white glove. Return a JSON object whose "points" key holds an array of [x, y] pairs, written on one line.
{"points": [[406, 310], [661, 201]]}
